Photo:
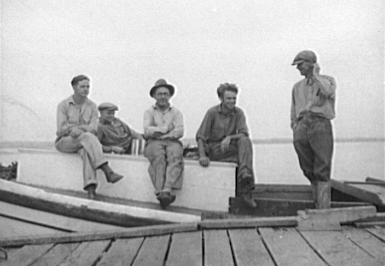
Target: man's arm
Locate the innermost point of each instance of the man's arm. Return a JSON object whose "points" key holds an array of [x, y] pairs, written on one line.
{"points": [[327, 85], [293, 119], [176, 128], [203, 159], [150, 130]]}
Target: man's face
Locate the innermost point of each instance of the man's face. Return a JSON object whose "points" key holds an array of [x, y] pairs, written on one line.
{"points": [[162, 96], [304, 68], [82, 89], [107, 115], [229, 99]]}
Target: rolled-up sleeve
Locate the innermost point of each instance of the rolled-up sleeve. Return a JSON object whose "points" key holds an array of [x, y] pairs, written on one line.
{"points": [[241, 125], [204, 130]]}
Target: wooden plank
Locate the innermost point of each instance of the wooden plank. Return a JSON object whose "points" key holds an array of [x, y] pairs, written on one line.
{"points": [[94, 236], [87, 253], [122, 252], [371, 179], [248, 248], [338, 250], [186, 249], [366, 241], [102, 212], [61, 222], [249, 222], [369, 193], [153, 251], [288, 248], [331, 219], [14, 228], [379, 219], [56, 255], [26, 255], [217, 250], [378, 232], [364, 183]]}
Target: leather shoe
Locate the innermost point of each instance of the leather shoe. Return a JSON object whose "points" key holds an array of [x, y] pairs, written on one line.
{"points": [[114, 177], [248, 200], [166, 199]]}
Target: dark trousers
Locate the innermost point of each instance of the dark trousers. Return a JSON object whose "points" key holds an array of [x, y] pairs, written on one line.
{"points": [[241, 152], [313, 142]]}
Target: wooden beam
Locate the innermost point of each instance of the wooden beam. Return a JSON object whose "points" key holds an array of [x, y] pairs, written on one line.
{"points": [[249, 222], [331, 219], [93, 236]]}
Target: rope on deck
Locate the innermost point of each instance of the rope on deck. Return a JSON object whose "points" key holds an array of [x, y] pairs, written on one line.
{"points": [[5, 253]]}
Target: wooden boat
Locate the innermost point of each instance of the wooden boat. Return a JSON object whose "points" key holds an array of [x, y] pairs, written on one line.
{"points": [[52, 197]]}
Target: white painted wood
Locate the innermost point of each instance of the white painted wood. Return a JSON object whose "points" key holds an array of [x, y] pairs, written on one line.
{"points": [[205, 188], [97, 205], [52, 220]]}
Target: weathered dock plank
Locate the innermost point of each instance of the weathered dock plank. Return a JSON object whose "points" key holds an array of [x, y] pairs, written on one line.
{"points": [[122, 252], [287, 247], [248, 248], [217, 250], [249, 222], [186, 249], [366, 241], [336, 249], [378, 232], [56, 255], [26, 255], [153, 251], [87, 253]]}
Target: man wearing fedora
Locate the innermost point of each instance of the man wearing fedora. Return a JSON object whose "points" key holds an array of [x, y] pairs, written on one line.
{"points": [[224, 136], [77, 120], [312, 108], [163, 127], [114, 135]]}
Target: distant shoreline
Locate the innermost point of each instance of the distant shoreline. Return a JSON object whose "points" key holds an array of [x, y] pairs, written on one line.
{"points": [[50, 144]]}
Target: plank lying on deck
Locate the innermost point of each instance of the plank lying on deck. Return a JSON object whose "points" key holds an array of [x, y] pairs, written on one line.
{"points": [[249, 222], [336, 249], [122, 251], [217, 248], [186, 249], [366, 241], [287, 247], [153, 251], [248, 248], [94, 236], [379, 232]]}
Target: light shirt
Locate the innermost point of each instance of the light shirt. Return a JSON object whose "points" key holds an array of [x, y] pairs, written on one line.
{"points": [[318, 98], [156, 121], [70, 114]]}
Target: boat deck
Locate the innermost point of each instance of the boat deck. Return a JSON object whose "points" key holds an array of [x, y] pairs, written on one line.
{"points": [[209, 243]]}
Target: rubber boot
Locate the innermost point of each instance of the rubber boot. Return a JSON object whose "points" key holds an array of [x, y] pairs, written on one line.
{"points": [[111, 176], [323, 195]]}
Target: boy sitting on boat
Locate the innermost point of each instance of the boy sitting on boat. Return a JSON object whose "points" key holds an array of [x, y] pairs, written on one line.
{"points": [[114, 135], [163, 127], [224, 136]]}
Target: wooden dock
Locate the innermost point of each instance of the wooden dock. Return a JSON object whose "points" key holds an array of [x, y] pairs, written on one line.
{"points": [[268, 241]]}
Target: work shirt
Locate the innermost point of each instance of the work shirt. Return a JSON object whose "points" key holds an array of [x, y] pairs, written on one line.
{"points": [[318, 98], [116, 133], [156, 121], [216, 125], [70, 114]]}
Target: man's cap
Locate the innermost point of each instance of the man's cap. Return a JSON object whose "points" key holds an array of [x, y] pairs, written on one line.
{"points": [[303, 56], [162, 83], [107, 106]]}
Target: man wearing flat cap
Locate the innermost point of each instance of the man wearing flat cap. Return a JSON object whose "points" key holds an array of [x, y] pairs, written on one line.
{"points": [[114, 135], [77, 120], [163, 129], [312, 108]]}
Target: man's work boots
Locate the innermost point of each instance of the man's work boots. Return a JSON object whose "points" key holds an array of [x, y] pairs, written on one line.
{"points": [[91, 191], [165, 199], [111, 176], [248, 200]]}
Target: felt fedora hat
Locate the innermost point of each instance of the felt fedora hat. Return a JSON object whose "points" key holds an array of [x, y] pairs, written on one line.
{"points": [[162, 83]]}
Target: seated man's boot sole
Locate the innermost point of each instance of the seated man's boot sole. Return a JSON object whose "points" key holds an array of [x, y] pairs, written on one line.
{"points": [[248, 200], [114, 178]]}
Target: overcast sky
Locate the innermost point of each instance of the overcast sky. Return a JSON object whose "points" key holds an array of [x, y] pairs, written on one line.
{"points": [[125, 46]]}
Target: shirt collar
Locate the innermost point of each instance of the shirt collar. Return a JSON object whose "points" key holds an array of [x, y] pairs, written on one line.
{"points": [[232, 112], [156, 108], [71, 100]]}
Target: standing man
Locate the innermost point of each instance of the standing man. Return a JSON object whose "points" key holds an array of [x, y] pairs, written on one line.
{"points": [[114, 135], [224, 136], [312, 108], [163, 127], [77, 119]]}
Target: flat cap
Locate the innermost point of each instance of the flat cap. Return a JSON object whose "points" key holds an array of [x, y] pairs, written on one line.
{"points": [[305, 55], [107, 106]]}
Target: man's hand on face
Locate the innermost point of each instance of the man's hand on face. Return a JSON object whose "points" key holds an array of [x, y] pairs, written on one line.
{"points": [[118, 150], [204, 161], [225, 144], [75, 132]]}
